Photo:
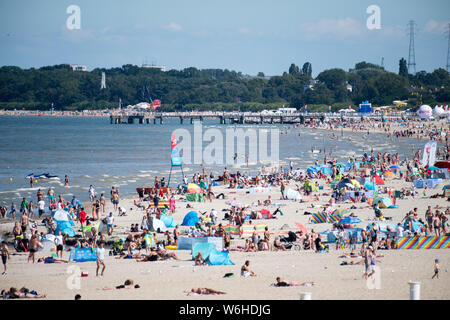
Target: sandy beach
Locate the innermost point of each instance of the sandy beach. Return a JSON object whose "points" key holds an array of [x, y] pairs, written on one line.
{"points": [[168, 279]]}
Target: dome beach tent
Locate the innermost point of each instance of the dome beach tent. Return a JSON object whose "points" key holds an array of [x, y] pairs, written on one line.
{"points": [[190, 219], [211, 255], [384, 202], [168, 221], [157, 225]]}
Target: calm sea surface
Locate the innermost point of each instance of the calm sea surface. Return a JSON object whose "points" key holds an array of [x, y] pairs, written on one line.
{"points": [[92, 151]]}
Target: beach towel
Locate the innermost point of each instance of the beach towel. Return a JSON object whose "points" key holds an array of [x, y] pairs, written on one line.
{"points": [[442, 242], [161, 204], [83, 255]]}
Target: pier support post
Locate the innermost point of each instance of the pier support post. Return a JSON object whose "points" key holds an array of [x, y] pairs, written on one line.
{"points": [[181, 120], [141, 120], [192, 120], [161, 121]]}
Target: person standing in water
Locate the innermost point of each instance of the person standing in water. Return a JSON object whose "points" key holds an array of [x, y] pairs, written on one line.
{"points": [[66, 181]]}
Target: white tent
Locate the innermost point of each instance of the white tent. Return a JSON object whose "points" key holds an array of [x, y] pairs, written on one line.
{"points": [[157, 225], [439, 112], [293, 195], [347, 110], [425, 112], [47, 246]]}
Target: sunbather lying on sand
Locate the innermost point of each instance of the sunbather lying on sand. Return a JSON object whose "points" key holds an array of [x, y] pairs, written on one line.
{"points": [[23, 293], [203, 291], [128, 284], [283, 283]]}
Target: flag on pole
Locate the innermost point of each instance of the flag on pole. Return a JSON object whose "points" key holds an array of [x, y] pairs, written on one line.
{"points": [[173, 145]]}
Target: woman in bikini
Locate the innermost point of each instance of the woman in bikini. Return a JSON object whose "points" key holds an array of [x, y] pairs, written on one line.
{"points": [[203, 291]]}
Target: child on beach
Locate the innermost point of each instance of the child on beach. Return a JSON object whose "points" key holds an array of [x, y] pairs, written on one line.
{"points": [[5, 256], [436, 269]]}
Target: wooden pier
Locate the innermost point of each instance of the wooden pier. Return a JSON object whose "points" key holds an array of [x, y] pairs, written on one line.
{"points": [[250, 117]]}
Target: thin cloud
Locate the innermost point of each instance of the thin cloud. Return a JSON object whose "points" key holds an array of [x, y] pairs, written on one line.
{"points": [[173, 26], [341, 28], [433, 26]]}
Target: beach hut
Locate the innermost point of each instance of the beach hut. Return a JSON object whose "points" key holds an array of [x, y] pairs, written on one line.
{"points": [[190, 219]]}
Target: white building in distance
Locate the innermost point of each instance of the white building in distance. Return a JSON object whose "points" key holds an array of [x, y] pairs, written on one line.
{"points": [[77, 67], [151, 66]]}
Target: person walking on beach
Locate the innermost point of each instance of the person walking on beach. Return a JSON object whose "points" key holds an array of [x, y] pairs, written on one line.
{"points": [[41, 205], [34, 245], [101, 258], [436, 269], [102, 202], [59, 242], [115, 201], [110, 223], [5, 256]]}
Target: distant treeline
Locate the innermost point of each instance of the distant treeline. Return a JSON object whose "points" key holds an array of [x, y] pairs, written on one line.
{"points": [[216, 89]]}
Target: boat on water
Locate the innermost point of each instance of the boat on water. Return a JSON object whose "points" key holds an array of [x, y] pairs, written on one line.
{"points": [[41, 176]]}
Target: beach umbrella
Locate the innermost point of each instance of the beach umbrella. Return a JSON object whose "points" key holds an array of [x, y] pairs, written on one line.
{"points": [[302, 228], [61, 215], [235, 203], [394, 167], [349, 220], [446, 187], [311, 170], [442, 164], [389, 174], [432, 168], [193, 188], [378, 180], [340, 211], [356, 183], [149, 241]]}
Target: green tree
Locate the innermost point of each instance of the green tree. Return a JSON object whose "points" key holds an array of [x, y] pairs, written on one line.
{"points": [[293, 69], [403, 69], [307, 69]]}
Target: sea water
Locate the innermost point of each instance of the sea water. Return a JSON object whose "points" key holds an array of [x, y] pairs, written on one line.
{"points": [[93, 151]]}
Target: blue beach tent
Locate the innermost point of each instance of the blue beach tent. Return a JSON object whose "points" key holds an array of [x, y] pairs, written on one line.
{"points": [[190, 219]]}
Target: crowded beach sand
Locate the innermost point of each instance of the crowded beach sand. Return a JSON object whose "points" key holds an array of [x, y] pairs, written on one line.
{"points": [[326, 274]]}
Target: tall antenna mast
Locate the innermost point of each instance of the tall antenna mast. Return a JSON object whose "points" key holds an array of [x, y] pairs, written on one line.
{"points": [[448, 50], [412, 54], [382, 62]]}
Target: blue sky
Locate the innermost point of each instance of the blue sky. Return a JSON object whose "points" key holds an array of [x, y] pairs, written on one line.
{"points": [[246, 35]]}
